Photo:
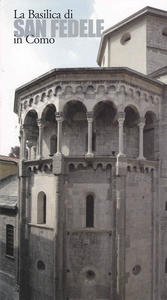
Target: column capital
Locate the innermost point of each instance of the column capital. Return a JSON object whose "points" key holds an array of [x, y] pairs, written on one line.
{"points": [[89, 115], [29, 143], [59, 116], [40, 122], [121, 116], [142, 122]]}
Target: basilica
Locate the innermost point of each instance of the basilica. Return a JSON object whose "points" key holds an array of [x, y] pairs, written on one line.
{"points": [[91, 216]]}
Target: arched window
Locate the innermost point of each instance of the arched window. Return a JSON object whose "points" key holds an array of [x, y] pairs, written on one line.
{"points": [[90, 211], [41, 208], [53, 144], [9, 240]]}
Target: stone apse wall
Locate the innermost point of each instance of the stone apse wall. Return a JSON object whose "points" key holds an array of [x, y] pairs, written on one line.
{"points": [[87, 139]]}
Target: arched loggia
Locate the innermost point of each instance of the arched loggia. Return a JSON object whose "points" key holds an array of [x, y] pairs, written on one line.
{"points": [[106, 128], [74, 128], [131, 132]]}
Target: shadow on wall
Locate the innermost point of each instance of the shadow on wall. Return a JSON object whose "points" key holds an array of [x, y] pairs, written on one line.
{"points": [[8, 282]]}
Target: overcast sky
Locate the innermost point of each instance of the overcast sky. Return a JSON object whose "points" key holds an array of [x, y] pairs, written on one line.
{"points": [[23, 62]]}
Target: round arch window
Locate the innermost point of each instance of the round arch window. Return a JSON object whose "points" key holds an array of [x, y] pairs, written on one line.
{"points": [[136, 270], [126, 37], [90, 274]]}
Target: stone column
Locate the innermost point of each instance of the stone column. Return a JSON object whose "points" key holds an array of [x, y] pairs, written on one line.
{"points": [[59, 119], [90, 133], [141, 128], [121, 119], [22, 141], [40, 138], [29, 145]]}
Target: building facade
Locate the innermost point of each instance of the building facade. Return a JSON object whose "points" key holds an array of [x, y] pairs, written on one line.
{"points": [[92, 188], [8, 228]]}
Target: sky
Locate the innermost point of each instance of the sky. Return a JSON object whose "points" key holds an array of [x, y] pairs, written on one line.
{"points": [[20, 63]]}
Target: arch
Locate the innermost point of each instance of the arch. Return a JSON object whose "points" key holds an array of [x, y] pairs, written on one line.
{"points": [[106, 127], [131, 116], [79, 89], [50, 93], [149, 135], [37, 99], [71, 167], [48, 113], [43, 97], [30, 118], [75, 127], [41, 208], [150, 117], [72, 109], [90, 89], [90, 210], [50, 130], [58, 90], [111, 88], [131, 131], [31, 133], [30, 102], [104, 107]]}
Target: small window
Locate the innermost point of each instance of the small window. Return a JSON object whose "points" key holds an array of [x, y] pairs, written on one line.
{"points": [[40, 265], [90, 275], [89, 211], [126, 37], [136, 270], [164, 31], [41, 208], [53, 144], [9, 240]]}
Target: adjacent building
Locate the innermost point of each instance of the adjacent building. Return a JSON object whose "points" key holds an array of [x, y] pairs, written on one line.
{"points": [[8, 228]]}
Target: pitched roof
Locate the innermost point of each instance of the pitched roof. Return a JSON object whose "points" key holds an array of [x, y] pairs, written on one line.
{"points": [[160, 72], [8, 202], [9, 159]]}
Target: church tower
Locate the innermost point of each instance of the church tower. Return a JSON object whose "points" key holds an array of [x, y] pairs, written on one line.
{"points": [[138, 42], [92, 175]]}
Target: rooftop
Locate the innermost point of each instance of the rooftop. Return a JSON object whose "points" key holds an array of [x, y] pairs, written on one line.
{"points": [[8, 159]]}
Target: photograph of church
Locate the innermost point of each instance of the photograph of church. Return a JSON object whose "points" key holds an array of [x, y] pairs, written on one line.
{"points": [[84, 216]]}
